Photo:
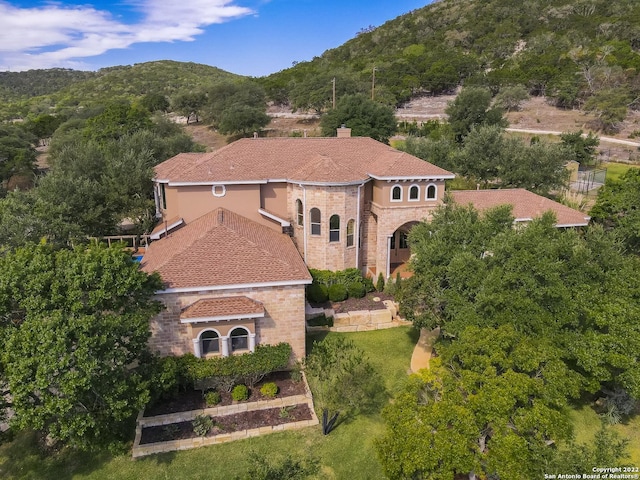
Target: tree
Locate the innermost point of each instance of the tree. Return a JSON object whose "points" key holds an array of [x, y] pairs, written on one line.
{"points": [[189, 104], [472, 107], [491, 405], [365, 117], [491, 158], [237, 107], [75, 327], [342, 380], [118, 119], [610, 106], [510, 98], [553, 284], [155, 102], [617, 208], [582, 146], [17, 152]]}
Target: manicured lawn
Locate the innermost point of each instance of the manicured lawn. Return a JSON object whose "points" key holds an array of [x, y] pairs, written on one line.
{"points": [[348, 452], [615, 170], [586, 423]]}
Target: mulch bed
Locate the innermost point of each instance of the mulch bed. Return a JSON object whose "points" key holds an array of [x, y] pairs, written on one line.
{"points": [[228, 423], [192, 399], [354, 304]]}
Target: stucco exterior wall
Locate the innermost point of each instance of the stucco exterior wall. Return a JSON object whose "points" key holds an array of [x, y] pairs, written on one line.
{"points": [[382, 192], [273, 198], [283, 321]]}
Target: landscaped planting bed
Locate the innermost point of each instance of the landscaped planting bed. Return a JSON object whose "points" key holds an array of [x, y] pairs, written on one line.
{"points": [[193, 399], [228, 423]]}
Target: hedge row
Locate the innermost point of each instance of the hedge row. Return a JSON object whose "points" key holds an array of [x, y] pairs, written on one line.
{"points": [[337, 286], [220, 373]]}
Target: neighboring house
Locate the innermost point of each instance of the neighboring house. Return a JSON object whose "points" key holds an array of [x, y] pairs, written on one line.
{"points": [[240, 226]]}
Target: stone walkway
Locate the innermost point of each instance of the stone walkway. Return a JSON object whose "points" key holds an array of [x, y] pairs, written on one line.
{"points": [[422, 351]]}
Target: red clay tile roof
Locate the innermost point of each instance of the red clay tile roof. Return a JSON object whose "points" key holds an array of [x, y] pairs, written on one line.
{"points": [[312, 160], [223, 307], [526, 205], [224, 248]]}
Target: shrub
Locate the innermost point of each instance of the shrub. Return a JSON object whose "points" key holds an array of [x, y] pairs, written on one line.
{"points": [[356, 289], [296, 373], [317, 293], [201, 425], [320, 321], [240, 393], [368, 284], [212, 398], [380, 283], [269, 389], [338, 292], [222, 373], [170, 375]]}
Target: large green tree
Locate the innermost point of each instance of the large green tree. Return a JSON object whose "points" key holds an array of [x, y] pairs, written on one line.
{"points": [[578, 290], [491, 405], [618, 208], [74, 327], [365, 117], [472, 108]]}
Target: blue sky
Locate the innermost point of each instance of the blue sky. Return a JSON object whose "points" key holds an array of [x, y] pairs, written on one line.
{"points": [[248, 37]]}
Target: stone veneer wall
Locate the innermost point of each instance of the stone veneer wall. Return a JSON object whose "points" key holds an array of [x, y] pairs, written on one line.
{"points": [[284, 319], [342, 201], [389, 219]]}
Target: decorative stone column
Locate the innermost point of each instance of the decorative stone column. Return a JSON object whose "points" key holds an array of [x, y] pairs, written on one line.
{"points": [[252, 342], [196, 347], [224, 343]]}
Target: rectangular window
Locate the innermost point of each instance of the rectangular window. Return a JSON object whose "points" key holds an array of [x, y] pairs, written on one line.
{"points": [[163, 196], [210, 345], [240, 342]]}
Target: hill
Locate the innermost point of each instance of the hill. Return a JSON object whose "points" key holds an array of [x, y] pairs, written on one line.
{"points": [[564, 49], [58, 88]]}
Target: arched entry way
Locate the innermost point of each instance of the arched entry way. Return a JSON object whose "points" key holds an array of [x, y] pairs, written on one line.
{"points": [[399, 251]]}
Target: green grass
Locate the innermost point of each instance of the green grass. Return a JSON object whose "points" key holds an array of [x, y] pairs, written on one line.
{"points": [[616, 170], [348, 452], [586, 423]]}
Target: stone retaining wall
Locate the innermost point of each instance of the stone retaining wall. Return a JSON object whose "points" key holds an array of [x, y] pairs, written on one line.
{"points": [[186, 444], [364, 320]]}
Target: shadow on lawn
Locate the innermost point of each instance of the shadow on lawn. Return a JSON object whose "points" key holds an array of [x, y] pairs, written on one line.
{"points": [[23, 456]]}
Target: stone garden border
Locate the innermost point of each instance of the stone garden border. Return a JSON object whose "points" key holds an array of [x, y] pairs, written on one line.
{"points": [[186, 444]]}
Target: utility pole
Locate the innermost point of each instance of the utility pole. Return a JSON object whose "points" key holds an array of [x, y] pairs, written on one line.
{"points": [[334, 92]]}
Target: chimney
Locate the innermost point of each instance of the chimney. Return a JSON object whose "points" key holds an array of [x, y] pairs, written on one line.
{"points": [[344, 132]]}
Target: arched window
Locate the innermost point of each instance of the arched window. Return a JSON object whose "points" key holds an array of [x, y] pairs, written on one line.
{"points": [[432, 192], [299, 212], [209, 342], [396, 193], [350, 232], [334, 228], [414, 193], [239, 339], [315, 221]]}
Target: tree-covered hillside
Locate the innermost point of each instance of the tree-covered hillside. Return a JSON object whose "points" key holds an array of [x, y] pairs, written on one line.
{"points": [[566, 49], [99, 88]]}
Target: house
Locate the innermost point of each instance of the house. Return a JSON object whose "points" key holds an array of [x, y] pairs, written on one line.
{"points": [[240, 226]]}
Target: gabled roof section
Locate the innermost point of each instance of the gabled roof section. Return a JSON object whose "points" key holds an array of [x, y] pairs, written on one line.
{"points": [[305, 160], [222, 249], [224, 308], [526, 205]]}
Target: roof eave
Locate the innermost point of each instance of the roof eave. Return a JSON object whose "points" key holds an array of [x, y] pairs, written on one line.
{"points": [[235, 286], [414, 177]]}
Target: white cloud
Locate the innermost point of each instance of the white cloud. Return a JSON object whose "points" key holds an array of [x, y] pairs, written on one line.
{"points": [[55, 35]]}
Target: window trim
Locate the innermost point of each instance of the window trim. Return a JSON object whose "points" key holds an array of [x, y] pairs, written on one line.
{"points": [[435, 192], [221, 194], [201, 342], [351, 222], [397, 185], [417, 199], [334, 231], [246, 336], [317, 224], [299, 213]]}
